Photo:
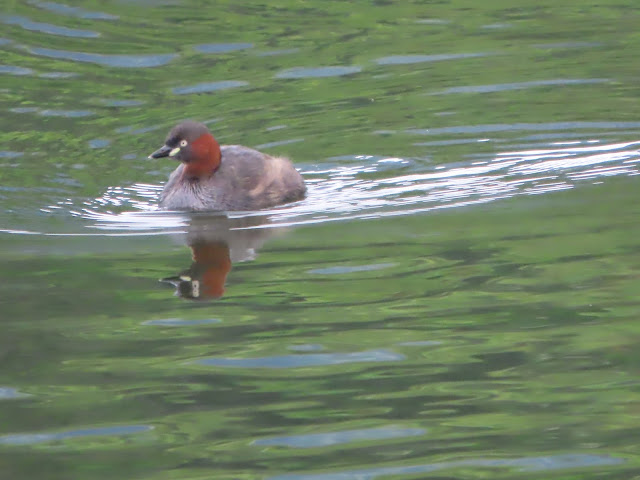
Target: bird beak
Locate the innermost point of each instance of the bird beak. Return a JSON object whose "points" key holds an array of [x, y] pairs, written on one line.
{"points": [[165, 151]]}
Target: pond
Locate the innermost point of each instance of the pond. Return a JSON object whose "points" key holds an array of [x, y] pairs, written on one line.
{"points": [[457, 296]]}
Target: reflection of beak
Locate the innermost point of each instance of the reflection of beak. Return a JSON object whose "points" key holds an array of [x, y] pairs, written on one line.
{"points": [[185, 286], [175, 281], [165, 151]]}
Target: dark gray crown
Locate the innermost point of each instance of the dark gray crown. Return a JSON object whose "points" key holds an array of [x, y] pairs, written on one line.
{"points": [[187, 130]]}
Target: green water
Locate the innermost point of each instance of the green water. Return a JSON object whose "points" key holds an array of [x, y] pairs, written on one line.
{"points": [[456, 298]]}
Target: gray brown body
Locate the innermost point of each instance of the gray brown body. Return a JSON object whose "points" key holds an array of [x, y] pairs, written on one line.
{"points": [[245, 180]]}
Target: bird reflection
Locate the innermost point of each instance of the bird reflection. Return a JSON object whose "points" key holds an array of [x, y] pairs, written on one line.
{"points": [[216, 242]]}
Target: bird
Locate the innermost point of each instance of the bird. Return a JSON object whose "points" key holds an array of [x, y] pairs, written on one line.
{"points": [[211, 177]]}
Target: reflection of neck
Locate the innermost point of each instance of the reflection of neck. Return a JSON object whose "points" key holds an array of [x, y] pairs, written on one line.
{"points": [[205, 158], [213, 260]]}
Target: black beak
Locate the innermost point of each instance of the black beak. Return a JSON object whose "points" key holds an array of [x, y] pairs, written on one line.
{"points": [[163, 151]]}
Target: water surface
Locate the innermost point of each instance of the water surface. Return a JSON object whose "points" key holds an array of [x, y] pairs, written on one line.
{"points": [[456, 297]]}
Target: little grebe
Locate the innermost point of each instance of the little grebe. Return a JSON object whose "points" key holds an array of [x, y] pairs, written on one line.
{"points": [[231, 177]]}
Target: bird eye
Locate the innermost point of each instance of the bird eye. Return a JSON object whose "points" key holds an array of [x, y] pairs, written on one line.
{"points": [[183, 143]]}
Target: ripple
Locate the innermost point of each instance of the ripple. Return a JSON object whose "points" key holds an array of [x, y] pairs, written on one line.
{"points": [[306, 347], [13, 70], [376, 163], [7, 393], [278, 143], [447, 143], [62, 9], [24, 109], [151, 3], [569, 45], [496, 26], [409, 59], [209, 87], [562, 136], [500, 87], [34, 438], [222, 47], [283, 51], [551, 462], [355, 188], [135, 130], [99, 143], [420, 343], [314, 440], [10, 154], [66, 113], [339, 270], [48, 28], [118, 61], [121, 103], [178, 322], [308, 360], [58, 75], [139, 196], [433, 21], [513, 127], [317, 72]]}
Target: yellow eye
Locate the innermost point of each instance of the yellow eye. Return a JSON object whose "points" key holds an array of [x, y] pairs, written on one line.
{"points": [[183, 143]]}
